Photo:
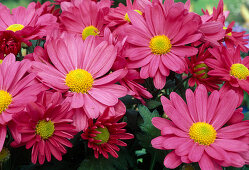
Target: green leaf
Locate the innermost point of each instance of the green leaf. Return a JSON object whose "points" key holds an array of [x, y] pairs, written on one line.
{"points": [[152, 104], [246, 116], [147, 125]]}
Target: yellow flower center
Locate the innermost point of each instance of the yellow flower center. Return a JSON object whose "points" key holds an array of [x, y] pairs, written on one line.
{"points": [[1, 61], [205, 70], [90, 30], [4, 154], [126, 17], [79, 81], [239, 71], [103, 136], [15, 27], [202, 133], [45, 129], [229, 34], [5, 100], [160, 44]]}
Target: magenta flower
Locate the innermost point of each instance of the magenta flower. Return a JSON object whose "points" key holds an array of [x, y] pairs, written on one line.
{"points": [[196, 131], [80, 70], [158, 41], [46, 127]]}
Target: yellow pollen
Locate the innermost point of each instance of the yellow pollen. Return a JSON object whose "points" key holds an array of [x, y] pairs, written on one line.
{"points": [[103, 136], [202, 65], [160, 44], [45, 129], [126, 17], [239, 71], [202, 133], [1, 61], [15, 27], [229, 34], [5, 100], [79, 81], [90, 30]]}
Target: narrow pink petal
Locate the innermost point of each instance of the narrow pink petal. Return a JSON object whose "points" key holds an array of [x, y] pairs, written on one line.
{"points": [[232, 145], [172, 160], [161, 123], [213, 101], [201, 102], [196, 152], [206, 162], [158, 142], [190, 97], [103, 96], [225, 109]]}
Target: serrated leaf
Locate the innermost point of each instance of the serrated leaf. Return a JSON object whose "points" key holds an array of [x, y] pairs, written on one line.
{"points": [[147, 116]]}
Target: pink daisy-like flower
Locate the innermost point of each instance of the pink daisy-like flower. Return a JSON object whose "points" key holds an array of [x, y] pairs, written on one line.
{"points": [[84, 17], [158, 41], [17, 89], [46, 127], [104, 135], [235, 39], [79, 72], [229, 66], [26, 22], [118, 16], [199, 71], [196, 131]]}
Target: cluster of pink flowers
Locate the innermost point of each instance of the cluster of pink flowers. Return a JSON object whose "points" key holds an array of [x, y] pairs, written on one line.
{"points": [[94, 54]]}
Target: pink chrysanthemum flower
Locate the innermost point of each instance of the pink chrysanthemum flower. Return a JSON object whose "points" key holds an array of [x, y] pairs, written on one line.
{"points": [[158, 41], [229, 66], [212, 25], [235, 39], [199, 71], [17, 89], [196, 131], [84, 17], [118, 16], [26, 22], [46, 127], [104, 135], [79, 71]]}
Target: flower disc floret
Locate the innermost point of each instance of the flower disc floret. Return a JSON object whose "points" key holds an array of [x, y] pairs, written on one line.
{"points": [[202, 71], [15, 27], [90, 30], [45, 129], [126, 17], [79, 81], [202, 133], [5, 100], [103, 136], [239, 71], [160, 44]]}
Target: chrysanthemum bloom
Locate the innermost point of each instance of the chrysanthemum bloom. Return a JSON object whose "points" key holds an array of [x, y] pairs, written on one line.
{"points": [[235, 39], [16, 90], [199, 71], [196, 131], [212, 25], [46, 127], [84, 17], [78, 71], [10, 43], [26, 22], [229, 66], [104, 135], [158, 41], [118, 17]]}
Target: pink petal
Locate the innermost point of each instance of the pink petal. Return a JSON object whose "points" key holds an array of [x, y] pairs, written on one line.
{"points": [[172, 160]]}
